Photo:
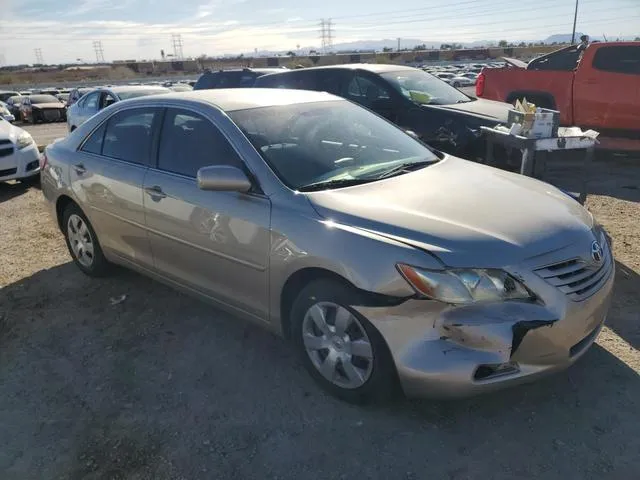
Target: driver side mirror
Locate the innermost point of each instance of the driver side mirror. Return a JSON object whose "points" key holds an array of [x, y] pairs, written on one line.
{"points": [[223, 178]]}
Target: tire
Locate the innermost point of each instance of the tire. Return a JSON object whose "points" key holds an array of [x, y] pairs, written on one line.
{"points": [[370, 380], [94, 265]]}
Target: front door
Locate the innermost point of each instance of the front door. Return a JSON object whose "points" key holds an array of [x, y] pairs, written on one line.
{"points": [[216, 243], [107, 177], [607, 92]]}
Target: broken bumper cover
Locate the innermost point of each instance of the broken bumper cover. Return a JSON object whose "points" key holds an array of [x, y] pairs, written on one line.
{"points": [[446, 351]]}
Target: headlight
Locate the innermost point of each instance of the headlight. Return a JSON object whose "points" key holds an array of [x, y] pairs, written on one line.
{"points": [[465, 286], [4, 111], [24, 140]]}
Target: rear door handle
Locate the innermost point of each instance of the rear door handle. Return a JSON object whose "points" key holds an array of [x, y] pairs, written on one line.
{"points": [[80, 169], [155, 192]]}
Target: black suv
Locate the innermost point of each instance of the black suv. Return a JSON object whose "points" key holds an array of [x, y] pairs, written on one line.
{"points": [[413, 99], [237, 78]]}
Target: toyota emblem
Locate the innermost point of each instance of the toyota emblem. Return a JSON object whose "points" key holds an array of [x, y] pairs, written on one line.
{"points": [[596, 252]]}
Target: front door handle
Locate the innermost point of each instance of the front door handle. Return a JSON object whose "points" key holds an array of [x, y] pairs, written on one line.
{"points": [[155, 192], [80, 169]]}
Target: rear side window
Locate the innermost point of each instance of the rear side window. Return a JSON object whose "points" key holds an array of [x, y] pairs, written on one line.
{"points": [[93, 144], [207, 81], [189, 142], [623, 59], [128, 135]]}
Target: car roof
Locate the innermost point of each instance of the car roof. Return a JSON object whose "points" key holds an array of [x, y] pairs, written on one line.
{"points": [[231, 99], [257, 70], [371, 67]]}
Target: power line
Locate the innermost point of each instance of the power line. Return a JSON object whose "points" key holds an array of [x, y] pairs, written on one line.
{"points": [[38, 52], [176, 41], [97, 47]]}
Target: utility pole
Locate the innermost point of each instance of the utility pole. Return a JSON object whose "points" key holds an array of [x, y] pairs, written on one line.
{"points": [[176, 41], [398, 43], [97, 47], [38, 52], [575, 19]]}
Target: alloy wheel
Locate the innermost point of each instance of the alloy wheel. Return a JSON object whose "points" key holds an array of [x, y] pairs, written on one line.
{"points": [[337, 344], [80, 240]]}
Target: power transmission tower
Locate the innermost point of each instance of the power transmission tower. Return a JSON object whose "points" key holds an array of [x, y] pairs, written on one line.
{"points": [[326, 34], [176, 41], [97, 47], [38, 52]]}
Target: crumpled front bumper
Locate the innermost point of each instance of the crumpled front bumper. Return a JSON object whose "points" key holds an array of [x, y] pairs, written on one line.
{"points": [[441, 350]]}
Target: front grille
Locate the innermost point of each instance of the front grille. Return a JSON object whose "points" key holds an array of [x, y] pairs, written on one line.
{"points": [[51, 115], [7, 172], [5, 152], [576, 278]]}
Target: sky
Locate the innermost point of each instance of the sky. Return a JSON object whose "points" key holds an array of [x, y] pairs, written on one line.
{"points": [[64, 30]]}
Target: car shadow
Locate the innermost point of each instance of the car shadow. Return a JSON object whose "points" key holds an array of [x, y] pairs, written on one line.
{"points": [[624, 315], [12, 190], [123, 377]]}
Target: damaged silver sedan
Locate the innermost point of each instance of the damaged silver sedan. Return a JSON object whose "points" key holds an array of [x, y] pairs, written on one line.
{"points": [[383, 262]]}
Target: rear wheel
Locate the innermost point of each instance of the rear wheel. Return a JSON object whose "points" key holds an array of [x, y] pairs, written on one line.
{"points": [[83, 243], [340, 348]]}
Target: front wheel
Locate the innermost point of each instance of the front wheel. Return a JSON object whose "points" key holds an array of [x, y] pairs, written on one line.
{"points": [[83, 243], [340, 348]]}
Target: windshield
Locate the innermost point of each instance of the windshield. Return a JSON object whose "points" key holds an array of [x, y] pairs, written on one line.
{"points": [[141, 93], [332, 141], [423, 88], [36, 99]]}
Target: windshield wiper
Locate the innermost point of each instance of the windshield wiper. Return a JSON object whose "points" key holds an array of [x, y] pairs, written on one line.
{"points": [[340, 182], [405, 168]]}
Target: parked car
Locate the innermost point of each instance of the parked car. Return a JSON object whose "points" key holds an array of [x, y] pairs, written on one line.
{"points": [[63, 97], [26, 92], [94, 101], [456, 80], [6, 113], [5, 95], [181, 87], [76, 94], [596, 88], [235, 78], [413, 99], [19, 157], [42, 108], [377, 258], [13, 104]]}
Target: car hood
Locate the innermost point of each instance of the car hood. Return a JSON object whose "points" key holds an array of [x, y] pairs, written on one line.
{"points": [[8, 131], [45, 106], [489, 109], [467, 214]]}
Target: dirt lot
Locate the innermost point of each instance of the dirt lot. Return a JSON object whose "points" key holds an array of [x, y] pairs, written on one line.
{"points": [[162, 386]]}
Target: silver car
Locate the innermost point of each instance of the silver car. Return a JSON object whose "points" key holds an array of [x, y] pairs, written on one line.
{"points": [[92, 102], [380, 260]]}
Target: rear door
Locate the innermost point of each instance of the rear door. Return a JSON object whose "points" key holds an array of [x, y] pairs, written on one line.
{"points": [[607, 89], [216, 243], [108, 176]]}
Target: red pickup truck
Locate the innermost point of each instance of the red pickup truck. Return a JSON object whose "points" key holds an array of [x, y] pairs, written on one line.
{"points": [[597, 87]]}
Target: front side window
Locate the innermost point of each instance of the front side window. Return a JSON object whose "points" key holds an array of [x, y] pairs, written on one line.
{"points": [[128, 135], [623, 59], [422, 88], [189, 142], [328, 143]]}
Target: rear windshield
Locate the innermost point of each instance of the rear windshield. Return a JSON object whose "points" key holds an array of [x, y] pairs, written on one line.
{"points": [[36, 99], [142, 93]]}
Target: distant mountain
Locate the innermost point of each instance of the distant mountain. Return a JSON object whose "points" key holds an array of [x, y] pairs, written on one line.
{"points": [[564, 38]]}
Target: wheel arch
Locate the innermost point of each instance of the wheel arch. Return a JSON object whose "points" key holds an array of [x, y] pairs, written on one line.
{"points": [[62, 202]]}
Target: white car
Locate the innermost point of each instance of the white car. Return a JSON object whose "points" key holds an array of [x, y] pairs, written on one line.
{"points": [[19, 156], [5, 113], [454, 79]]}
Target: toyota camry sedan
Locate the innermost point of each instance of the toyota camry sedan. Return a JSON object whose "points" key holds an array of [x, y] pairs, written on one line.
{"points": [[383, 262]]}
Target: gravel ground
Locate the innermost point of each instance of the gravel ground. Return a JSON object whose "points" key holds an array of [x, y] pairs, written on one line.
{"points": [[161, 386]]}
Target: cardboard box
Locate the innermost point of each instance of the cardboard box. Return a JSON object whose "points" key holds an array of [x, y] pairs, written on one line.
{"points": [[543, 123]]}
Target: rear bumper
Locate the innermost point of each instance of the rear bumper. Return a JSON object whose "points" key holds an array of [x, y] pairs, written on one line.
{"points": [[22, 163], [444, 351]]}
